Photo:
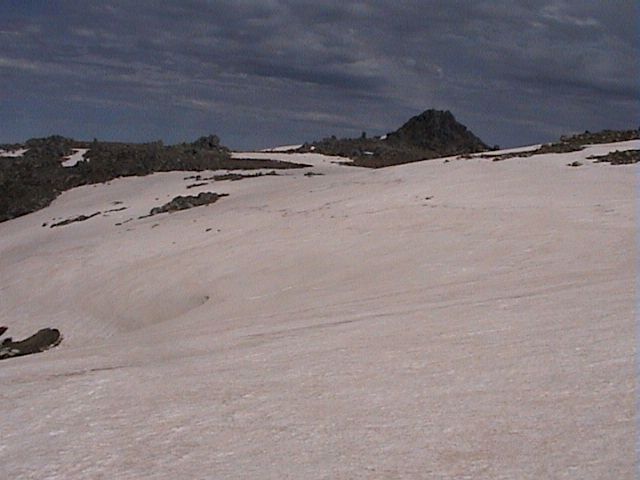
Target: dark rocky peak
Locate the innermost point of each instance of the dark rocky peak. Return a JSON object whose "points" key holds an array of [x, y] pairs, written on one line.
{"points": [[212, 142], [49, 149], [438, 131], [50, 141]]}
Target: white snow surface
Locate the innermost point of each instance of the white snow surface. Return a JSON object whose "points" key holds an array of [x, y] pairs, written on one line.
{"points": [[283, 148], [75, 157], [13, 153], [468, 319], [528, 148]]}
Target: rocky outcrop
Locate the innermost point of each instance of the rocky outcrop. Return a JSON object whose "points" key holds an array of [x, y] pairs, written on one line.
{"points": [[604, 136], [575, 143], [212, 142], [626, 157], [39, 342], [432, 134], [32, 181], [186, 202], [438, 132], [79, 218]]}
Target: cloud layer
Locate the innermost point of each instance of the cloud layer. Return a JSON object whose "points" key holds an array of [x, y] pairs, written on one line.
{"points": [[264, 72]]}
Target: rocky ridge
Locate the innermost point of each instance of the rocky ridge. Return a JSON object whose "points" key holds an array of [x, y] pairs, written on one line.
{"points": [[626, 157], [574, 143], [33, 180], [432, 134], [186, 202]]}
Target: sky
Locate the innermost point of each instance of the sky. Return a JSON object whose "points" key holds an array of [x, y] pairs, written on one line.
{"points": [[261, 73]]}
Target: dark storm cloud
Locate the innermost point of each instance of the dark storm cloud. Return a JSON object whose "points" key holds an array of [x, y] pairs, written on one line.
{"points": [[272, 71]]}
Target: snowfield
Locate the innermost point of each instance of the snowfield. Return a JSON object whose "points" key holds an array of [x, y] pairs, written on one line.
{"points": [[468, 319], [283, 148], [75, 157], [13, 153]]}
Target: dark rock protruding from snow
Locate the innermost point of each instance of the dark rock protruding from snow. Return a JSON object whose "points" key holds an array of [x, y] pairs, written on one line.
{"points": [[32, 181], [79, 218], [432, 134], [626, 157], [439, 132], [41, 341], [212, 142], [186, 202], [575, 143]]}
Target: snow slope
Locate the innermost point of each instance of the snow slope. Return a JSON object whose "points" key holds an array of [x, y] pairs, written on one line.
{"points": [[75, 157], [283, 148], [13, 153], [467, 319]]}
